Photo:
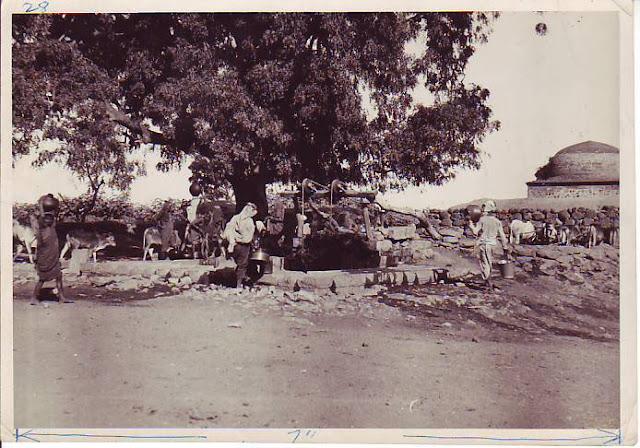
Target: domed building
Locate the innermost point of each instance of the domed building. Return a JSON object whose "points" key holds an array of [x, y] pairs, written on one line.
{"points": [[585, 170]]}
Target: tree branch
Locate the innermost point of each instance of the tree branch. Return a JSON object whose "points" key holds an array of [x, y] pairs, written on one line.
{"points": [[148, 136]]}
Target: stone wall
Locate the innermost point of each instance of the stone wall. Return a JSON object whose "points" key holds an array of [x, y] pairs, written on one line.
{"points": [[406, 239], [573, 191]]}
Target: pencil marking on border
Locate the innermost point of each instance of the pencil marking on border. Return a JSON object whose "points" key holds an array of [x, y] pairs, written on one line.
{"points": [[611, 438], [29, 433]]}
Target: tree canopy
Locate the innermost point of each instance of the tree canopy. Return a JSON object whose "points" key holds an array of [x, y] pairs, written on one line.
{"points": [[257, 97]]}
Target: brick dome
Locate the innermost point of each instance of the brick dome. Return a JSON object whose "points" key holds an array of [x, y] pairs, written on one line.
{"points": [[583, 163]]}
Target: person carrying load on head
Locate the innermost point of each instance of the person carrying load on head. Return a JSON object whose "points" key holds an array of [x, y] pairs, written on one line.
{"points": [[488, 228], [48, 255], [239, 233]]}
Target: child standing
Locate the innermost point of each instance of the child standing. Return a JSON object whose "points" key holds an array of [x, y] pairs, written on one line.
{"points": [[48, 257], [488, 228]]}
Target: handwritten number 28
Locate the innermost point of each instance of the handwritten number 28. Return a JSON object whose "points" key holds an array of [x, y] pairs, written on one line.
{"points": [[32, 7]]}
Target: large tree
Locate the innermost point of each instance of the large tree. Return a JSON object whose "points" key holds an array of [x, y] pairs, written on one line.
{"points": [[90, 146], [264, 97]]}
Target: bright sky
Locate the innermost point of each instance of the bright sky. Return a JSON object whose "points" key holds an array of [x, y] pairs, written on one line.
{"points": [[548, 93]]}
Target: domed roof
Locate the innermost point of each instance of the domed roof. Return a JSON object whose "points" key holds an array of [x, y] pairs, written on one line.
{"points": [[589, 147], [583, 163]]}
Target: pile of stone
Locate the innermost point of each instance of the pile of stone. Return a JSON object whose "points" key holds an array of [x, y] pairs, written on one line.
{"points": [[293, 305], [403, 244], [598, 266]]}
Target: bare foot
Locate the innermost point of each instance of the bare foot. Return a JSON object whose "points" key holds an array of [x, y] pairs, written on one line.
{"points": [[34, 301]]}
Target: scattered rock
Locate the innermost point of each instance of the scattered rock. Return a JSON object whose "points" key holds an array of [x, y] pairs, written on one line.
{"points": [[549, 252], [565, 260], [154, 278], [402, 232], [102, 283], [546, 267], [384, 246], [173, 280], [524, 251], [450, 240], [186, 281], [572, 277], [452, 232], [467, 242]]}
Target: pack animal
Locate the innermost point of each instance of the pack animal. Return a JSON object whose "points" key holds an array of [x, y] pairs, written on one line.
{"points": [[87, 239], [26, 237], [567, 235], [574, 234], [596, 236], [521, 231], [205, 233], [548, 234], [152, 237]]}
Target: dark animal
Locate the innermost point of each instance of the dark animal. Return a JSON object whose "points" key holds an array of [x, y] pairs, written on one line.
{"points": [[153, 237], [87, 239]]}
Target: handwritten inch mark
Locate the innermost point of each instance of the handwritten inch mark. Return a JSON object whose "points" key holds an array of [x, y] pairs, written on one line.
{"points": [[33, 7], [309, 433]]}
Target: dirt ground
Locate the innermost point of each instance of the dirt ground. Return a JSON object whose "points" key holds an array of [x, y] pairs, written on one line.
{"points": [[541, 353]]}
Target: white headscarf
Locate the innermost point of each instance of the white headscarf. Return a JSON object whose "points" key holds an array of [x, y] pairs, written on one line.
{"points": [[489, 206], [241, 227]]}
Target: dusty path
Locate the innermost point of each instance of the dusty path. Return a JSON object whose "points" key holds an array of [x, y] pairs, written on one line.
{"points": [[190, 361]]}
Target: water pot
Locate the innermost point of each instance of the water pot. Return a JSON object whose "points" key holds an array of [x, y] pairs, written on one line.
{"points": [[49, 203], [195, 189], [474, 212]]}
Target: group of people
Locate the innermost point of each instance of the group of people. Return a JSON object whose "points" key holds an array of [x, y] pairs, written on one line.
{"points": [[489, 230], [238, 235], [235, 238], [206, 227]]}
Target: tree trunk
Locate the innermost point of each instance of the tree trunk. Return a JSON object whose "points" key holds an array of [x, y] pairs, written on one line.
{"points": [[94, 199], [251, 189]]}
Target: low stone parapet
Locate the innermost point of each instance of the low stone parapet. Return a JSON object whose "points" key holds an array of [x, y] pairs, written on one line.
{"points": [[165, 268]]}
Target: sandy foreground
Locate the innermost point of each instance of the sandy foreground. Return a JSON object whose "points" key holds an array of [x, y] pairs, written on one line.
{"points": [[539, 354]]}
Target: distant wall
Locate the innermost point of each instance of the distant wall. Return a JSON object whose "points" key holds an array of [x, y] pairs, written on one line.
{"points": [[573, 191]]}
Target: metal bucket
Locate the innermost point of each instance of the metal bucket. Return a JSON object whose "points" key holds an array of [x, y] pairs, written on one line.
{"points": [[507, 269], [259, 255], [267, 267]]}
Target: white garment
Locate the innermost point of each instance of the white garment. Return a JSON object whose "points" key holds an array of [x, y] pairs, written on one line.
{"points": [[193, 208], [240, 229]]}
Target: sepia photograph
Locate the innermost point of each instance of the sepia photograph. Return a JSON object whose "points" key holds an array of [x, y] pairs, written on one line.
{"points": [[341, 220]]}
